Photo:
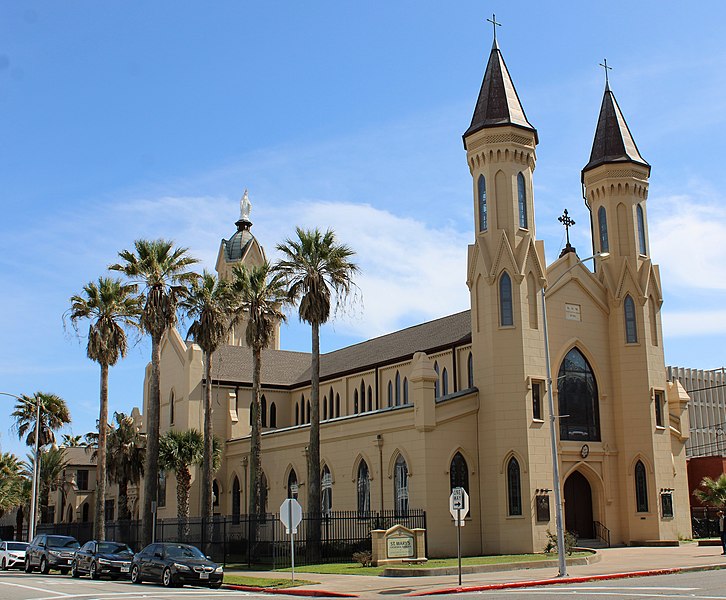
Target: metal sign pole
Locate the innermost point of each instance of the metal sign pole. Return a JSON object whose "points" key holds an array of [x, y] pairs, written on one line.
{"points": [[458, 540], [292, 539]]}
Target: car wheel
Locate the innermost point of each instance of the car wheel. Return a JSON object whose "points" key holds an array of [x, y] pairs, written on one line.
{"points": [[135, 574], [4, 565], [94, 571], [44, 568], [74, 570], [28, 568], [166, 578]]}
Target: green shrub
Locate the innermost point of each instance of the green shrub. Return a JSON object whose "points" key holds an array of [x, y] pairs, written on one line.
{"points": [[551, 545], [364, 557]]}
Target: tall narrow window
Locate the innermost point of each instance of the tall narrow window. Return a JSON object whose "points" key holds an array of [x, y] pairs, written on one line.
{"points": [[86, 509], [363, 490], [522, 196], [326, 491], [398, 389], [470, 371], [263, 410], [370, 399], [482, 196], [459, 472], [653, 317], [532, 296], [659, 402], [297, 414], [514, 488], [578, 398], [631, 329], [400, 486], [444, 382], [602, 223], [506, 313], [215, 493], [171, 408], [292, 487], [390, 393], [641, 229], [362, 396], [273, 415], [236, 501], [337, 405], [308, 413], [325, 408], [330, 412], [437, 389], [355, 402], [537, 400], [405, 390], [641, 488]]}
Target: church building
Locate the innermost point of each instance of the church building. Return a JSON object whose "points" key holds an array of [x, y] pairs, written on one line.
{"points": [[463, 400]]}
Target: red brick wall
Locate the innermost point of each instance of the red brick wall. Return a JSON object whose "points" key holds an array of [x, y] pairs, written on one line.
{"points": [[703, 466]]}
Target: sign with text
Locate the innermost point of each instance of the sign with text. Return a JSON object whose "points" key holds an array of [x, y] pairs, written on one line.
{"points": [[400, 546], [459, 505]]}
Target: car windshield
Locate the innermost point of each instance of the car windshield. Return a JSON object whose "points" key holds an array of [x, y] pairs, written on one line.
{"points": [[61, 541], [113, 548], [183, 551], [17, 545]]}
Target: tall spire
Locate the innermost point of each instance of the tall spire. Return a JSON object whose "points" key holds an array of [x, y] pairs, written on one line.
{"points": [[613, 141], [498, 103]]}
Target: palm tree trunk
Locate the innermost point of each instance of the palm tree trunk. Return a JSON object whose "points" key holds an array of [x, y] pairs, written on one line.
{"points": [[314, 525], [183, 487], [255, 447], [151, 466], [207, 475], [99, 524]]}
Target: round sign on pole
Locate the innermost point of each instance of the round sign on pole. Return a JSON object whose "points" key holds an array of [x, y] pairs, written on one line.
{"points": [[290, 514]]}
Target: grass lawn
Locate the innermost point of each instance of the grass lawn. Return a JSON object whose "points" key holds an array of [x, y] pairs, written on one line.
{"points": [[357, 569], [264, 582]]}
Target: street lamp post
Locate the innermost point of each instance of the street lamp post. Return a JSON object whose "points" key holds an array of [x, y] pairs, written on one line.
{"points": [[36, 466], [561, 558]]}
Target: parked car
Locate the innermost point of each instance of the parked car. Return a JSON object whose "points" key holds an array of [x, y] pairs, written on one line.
{"points": [[97, 558], [175, 564], [12, 554], [50, 552]]}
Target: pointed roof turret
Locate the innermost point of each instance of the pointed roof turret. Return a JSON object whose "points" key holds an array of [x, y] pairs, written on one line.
{"points": [[613, 141], [498, 103]]}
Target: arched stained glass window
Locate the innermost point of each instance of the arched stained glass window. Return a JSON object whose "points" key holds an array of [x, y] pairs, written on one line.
{"points": [[482, 198], [370, 398], [325, 408], [400, 486], [362, 396], [330, 412], [444, 382], [602, 223], [470, 371], [84, 516], [641, 488], [514, 488], [506, 312], [390, 393], [522, 197], [215, 493], [405, 390], [631, 326], [171, 408], [355, 402], [308, 413], [292, 487], [236, 501], [641, 229], [273, 415], [459, 472], [337, 405], [437, 389], [363, 486], [326, 491], [578, 398], [263, 410], [398, 389], [297, 414]]}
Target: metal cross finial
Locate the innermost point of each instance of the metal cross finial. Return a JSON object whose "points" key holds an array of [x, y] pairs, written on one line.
{"points": [[604, 65], [494, 23], [567, 222]]}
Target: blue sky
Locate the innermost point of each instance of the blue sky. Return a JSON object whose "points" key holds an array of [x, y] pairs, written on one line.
{"points": [[123, 120]]}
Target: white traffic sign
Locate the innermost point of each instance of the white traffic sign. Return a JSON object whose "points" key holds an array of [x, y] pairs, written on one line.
{"points": [[290, 514], [459, 505]]}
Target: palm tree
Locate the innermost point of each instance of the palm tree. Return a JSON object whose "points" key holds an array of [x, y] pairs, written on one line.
{"points": [[125, 459], [713, 492], [178, 452], [11, 482], [259, 295], [53, 463], [162, 271], [317, 268], [208, 304], [110, 306], [72, 441], [53, 415]]}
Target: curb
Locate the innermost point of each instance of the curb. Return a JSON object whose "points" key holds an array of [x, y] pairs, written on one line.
{"points": [[555, 581], [288, 591]]}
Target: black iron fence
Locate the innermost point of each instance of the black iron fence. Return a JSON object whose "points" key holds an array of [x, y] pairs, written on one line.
{"points": [[705, 522], [249, 540]]}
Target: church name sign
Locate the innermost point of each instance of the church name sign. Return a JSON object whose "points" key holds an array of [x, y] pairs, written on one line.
{"points": [[400, 546]]}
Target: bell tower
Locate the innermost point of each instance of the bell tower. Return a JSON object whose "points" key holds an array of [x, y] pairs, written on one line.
{"points": [[505, 274]]}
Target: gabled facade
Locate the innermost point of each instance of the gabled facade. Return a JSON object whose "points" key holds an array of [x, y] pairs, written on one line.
{"points": [[462, 400]]}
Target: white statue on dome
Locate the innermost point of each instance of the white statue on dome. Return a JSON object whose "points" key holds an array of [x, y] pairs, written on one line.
{"points": [[245, 206]]}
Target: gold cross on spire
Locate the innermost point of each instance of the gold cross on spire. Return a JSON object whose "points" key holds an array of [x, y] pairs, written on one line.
{"points": [[494, 23], [604, 65]]}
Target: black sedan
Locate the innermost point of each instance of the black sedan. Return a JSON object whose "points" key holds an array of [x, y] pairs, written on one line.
{"points": [[175, 564], [102, 558]]}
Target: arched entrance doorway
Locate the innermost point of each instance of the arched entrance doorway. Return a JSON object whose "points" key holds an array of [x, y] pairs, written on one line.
{"points": [[578, 506]]}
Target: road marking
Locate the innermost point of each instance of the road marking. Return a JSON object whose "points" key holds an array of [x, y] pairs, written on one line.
{"points": [[152, 593], [609, 594], [28, 587], [643, 587]]}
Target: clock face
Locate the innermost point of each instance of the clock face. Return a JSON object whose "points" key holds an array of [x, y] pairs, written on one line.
{"points": [[584, 451]]}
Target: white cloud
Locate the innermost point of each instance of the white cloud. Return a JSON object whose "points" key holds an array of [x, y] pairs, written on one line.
{"points": [[694, 323]]}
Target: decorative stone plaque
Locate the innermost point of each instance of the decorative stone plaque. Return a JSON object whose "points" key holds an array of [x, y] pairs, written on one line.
{"points": [[572, 312], [398, 545]]}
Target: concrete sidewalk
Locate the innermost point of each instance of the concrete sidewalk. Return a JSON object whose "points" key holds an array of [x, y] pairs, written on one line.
{"points": [[613, 561]]}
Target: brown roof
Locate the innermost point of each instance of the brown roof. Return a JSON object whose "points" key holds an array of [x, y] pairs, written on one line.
{"points": [[233, 364]]}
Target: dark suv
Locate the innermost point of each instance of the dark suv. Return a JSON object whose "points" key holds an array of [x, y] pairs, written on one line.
{"points": [[50, 552]]}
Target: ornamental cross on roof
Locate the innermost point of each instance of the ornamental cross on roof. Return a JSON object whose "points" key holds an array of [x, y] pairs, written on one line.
{"points": [[604, 65], [494, 23], [568, 222]]}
